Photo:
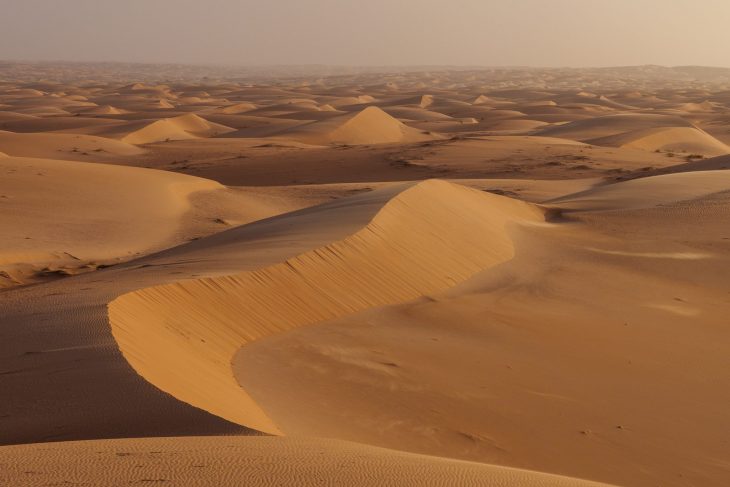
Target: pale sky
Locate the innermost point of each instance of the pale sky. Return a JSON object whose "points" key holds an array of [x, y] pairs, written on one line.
{"points": [[370, 32]]}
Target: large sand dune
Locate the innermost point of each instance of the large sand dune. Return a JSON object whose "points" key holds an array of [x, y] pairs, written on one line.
{"points": [[463, 360], [398, 256]]}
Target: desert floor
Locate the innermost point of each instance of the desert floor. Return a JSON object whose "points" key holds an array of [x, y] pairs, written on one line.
{"points": [[496, 277]]}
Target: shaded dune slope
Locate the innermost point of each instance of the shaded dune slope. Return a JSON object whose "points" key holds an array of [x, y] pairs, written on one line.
{"points": [[182, 337]]}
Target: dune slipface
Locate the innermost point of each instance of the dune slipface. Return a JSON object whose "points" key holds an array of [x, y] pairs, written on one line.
{"points": [[182, 337]]}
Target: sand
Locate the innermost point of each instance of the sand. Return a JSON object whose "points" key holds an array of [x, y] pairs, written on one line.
{"points": [[384, 263], [506, 277], [216, 461], [179, 128], [369, 126]]}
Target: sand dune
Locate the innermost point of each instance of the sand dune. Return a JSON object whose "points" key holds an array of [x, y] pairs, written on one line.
{"points": [[179, 128], [250, 126], [238, 108], [712, 164], [56, 124], [67, 219], [162, 103], [481, 100], [648, 192], [406, 113], [369, 126], [392, 250], [63, 146], [680, 139], [705, 106], [594, 128]]}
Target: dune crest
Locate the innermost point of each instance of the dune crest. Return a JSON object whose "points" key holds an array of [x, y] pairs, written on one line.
{"points": [[184, 346]]}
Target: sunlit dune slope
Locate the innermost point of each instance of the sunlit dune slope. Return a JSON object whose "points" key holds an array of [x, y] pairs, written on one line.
{"points": [[182, 337], [66, 214]]}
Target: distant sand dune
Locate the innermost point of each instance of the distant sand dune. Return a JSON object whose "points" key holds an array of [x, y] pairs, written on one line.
{"points": [[63, 146], [594, 128], [648, 192], [105, 110], [681, 139], [189, 126], [370, 126], [238, 108]]}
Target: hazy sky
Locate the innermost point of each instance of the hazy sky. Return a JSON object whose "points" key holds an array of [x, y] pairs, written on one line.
{"points": [[370, 32]]}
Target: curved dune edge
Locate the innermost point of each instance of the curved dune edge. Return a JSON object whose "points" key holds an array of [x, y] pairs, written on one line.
{"points": [[252, 461], [181, 337]]}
